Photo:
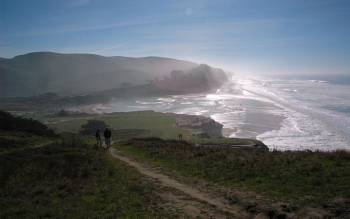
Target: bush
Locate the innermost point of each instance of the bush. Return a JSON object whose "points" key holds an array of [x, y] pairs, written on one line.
{"points": [[91, 126], [9, 122]]}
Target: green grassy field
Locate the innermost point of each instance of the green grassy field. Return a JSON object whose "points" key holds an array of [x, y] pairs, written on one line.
{"points": [[70, 179], [155, 124], [126, 125], [302, 178]]}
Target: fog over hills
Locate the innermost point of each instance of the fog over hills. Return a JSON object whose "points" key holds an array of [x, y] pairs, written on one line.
{"points": [[70, 74]]}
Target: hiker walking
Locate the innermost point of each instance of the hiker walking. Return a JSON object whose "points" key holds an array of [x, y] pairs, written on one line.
{"points": [[107, 134], [98, 138]]}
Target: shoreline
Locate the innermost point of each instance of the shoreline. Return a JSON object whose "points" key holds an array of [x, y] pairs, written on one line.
{"points": [[255, 123]]}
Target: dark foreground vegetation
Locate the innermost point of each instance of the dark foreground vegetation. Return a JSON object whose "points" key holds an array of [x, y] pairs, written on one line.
{"points": [[300, 177], [12, 123], [48, 176], [71, 180]]}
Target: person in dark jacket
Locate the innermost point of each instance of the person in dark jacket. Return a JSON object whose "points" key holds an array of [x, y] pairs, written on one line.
{"points": [[98, 138], [107, 134]]}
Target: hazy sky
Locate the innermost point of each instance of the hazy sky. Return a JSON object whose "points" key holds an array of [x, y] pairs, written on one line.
{"points": [[258, 36]]}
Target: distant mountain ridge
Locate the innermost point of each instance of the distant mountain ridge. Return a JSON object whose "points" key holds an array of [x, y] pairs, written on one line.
{"points": [[71, 74]]}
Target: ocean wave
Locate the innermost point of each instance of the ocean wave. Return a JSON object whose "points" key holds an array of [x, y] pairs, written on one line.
{"points": [[318, 81], [306, 126], [148, 102], [167, 100]]}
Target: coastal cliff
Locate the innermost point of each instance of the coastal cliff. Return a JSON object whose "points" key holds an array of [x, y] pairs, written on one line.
{"points": [[199, 125]]}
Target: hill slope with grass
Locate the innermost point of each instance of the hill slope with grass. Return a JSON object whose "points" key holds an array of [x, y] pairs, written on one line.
{"points": [[72, 74], [300, 184], [45, 176], [150, 173]]}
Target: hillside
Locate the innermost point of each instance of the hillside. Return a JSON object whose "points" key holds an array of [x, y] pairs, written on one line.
{"points": [[45, 176], [67, 176], [149, 174], [72, 74], [261, 184]]}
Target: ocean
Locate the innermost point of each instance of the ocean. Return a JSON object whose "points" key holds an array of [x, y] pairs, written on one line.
{"points": [[286, 114]]}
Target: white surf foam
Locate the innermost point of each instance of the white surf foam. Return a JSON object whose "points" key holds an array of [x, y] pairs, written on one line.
{"points": [[306, 126]]}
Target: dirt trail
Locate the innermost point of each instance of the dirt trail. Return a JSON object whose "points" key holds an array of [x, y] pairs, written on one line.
{"points": [[199, 204]]}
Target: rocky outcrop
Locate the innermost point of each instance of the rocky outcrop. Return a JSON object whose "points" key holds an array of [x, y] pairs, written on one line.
{"points": [[199, 125]]}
